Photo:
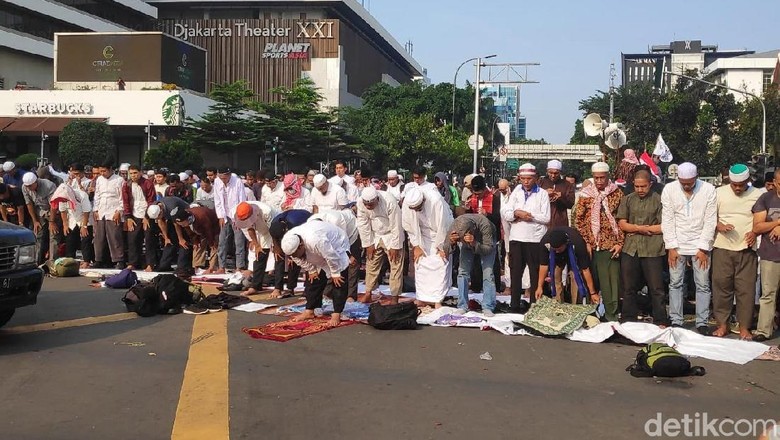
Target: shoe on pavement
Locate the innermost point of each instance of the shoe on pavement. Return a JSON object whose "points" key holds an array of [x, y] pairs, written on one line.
{"points": [[703, 330], [488, 313], [120, 265], [460, 312], [759, 338], [195, 309]]}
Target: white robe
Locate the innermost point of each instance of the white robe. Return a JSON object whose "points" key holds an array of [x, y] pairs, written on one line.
{"points": [[428, 230]]}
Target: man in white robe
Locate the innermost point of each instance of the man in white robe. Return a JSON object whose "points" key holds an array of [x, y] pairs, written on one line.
{"points": [[426, 218]]}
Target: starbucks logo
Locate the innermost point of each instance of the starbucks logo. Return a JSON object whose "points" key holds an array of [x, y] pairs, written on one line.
{"points": [[173, 110]]}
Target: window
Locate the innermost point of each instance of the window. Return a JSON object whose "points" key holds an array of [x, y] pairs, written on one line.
{"points": [[113, 12], [767, 80]]}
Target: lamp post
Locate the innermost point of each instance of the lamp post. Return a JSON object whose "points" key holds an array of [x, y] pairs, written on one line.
{"points": [[148, 135], [455, 85], [763, 107], [492, 146]]}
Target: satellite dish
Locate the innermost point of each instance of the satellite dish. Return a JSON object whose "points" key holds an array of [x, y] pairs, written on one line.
{"points": [[593, 125], [614, 136]]}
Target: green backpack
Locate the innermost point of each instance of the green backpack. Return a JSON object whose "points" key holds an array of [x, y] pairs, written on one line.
{"points": [[661, 360], [64, 267]]}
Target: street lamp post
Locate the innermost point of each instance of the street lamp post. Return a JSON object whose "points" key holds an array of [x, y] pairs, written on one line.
{"points": [[455, 85], [763, 107]]}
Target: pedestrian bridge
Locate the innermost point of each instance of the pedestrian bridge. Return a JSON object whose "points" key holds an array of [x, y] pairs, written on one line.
{"points": [[588, 153]]}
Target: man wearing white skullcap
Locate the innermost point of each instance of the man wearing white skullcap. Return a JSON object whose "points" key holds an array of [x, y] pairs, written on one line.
{"points": [[688, 224], [12, 175], [734, 260], [123, 170], [766, 219], [426, 218], [595, 221], [37, 195], [528, 214], [382, 237], [561, 195], [394, 184], [322, 250], [108, 225], [165, 213], [345, 220], [327, 195]]}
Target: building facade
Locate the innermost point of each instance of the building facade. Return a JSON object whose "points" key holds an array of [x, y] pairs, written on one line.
{"points": [[27, 29], [337, 44], [752, 73], [506, 103]]}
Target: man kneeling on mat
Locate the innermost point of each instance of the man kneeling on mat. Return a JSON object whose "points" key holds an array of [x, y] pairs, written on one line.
{"points": [[322, 250]]}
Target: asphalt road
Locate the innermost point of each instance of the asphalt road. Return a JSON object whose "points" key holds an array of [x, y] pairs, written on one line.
{"points": [[75, 367]]}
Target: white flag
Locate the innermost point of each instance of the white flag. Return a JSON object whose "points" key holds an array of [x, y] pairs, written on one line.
{"points": [[662, 150]]}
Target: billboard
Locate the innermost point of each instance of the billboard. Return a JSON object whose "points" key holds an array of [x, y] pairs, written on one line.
{"points": [[131, 56], [183, 64]]}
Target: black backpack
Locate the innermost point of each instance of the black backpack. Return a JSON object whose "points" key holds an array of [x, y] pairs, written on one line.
{"points": [[173, 292], [401, 316], [661, 360], [142, 299]]}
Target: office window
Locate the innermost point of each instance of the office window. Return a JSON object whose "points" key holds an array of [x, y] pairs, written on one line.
{"points": [[28, 22], [767, 80]]}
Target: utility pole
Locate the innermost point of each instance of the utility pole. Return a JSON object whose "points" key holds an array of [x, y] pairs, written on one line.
{"points": [[476, 115]]}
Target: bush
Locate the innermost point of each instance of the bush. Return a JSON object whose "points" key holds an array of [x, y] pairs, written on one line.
{"points": [[86, 142], [28, 161], [176, 155]]}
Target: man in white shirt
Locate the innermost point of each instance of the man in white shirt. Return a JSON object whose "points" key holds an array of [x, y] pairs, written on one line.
{"points": [[322, 250], [350, 189], [394, 185], [341, 171], [326, 195], [161, 182], [734, 259], [346, 221], [427, 218], [382, 235], [137, 194], [254, 218], [528, 214], [228, 193], [504, 192], [75, 210], [419, 180], [272, 193], [108, 216], [688, 223], [204, 196]]}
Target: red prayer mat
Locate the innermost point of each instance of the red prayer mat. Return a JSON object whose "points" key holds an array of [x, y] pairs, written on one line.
{"points": [[286, 330]]}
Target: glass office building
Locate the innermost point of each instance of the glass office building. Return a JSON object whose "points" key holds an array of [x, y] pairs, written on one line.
{"points": [[506, 103]]}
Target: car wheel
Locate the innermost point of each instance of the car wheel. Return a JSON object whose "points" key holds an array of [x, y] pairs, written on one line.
{"points": [[5, 316]]}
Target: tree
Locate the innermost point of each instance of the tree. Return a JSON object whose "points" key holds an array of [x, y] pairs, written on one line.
{"points": [[174, 155], [302, 128], [86, 142], [229, 124]]}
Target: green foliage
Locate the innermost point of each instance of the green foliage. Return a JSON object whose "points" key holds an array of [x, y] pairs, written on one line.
{"points": [[228, 125], [27, 161], [86, 142], [411, 125], [701, 124], [174, 155]]}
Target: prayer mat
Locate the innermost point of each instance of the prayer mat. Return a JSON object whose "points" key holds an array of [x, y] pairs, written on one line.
{"points": [[286, 330], [551, 318]]}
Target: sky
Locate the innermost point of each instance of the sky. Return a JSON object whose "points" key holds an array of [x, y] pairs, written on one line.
{"points": [[575, 41]]}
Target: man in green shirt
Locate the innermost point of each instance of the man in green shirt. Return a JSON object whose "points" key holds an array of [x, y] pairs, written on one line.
{"points": [[643, 259]]}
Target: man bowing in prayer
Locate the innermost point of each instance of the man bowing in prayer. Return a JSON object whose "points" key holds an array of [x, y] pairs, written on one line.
{"points": [[427, 218], [322, 250]]}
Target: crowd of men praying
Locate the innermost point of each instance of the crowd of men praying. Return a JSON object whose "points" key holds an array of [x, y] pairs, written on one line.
{"points": [[638, 245]]}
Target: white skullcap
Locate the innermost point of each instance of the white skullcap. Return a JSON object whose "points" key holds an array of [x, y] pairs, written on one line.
{"points": [[527, 169], [29, 178], [392, 174], [368, 194], [183, 176], [124, 167], [739, 173], [467, 179], [319, 180], [153, 211], [290, 243], [687, 170], [413, 198], [8, 166], [599, 167], [150, 173], [554, 164]]}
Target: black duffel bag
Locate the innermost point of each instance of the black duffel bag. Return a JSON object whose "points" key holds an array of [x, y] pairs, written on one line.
{"points": [[401, 316]]}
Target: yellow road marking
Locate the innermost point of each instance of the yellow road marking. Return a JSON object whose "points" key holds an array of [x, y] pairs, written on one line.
{"points": [[58, 325], [202, 412]]}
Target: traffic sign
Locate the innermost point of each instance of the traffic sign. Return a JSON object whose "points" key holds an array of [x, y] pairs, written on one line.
{"points": [[472, 142]]}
